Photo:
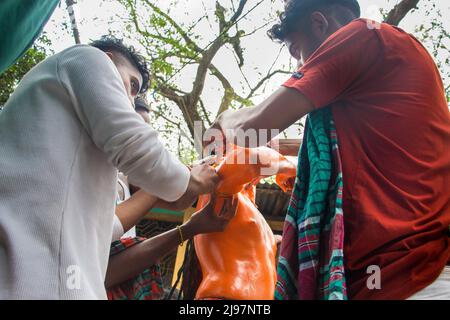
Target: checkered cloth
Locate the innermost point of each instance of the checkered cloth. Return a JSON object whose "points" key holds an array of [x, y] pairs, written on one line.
{"points": [[147, 285], [311, 259]]}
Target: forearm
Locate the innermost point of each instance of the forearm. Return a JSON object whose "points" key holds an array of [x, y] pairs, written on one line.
{"points": [[135, 208], [180, 205], [287, 147], [291, 147], [131, 262], [167, 205], [275, 114]]}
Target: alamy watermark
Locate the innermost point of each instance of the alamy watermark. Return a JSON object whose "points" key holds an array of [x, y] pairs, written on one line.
{"points": [[221, 141], [73, 281], [374, 280]]}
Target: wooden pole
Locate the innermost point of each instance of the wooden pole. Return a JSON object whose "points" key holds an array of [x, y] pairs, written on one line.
{"points": [[181, 250], [73, 20]]}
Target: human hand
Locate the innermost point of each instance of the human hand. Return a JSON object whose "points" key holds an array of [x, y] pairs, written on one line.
{"points": [[210, 160], [203, 180], [207, 221], [215, 139]]}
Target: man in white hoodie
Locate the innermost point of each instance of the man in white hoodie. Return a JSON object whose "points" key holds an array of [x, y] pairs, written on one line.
{"points": [[64, 132]]}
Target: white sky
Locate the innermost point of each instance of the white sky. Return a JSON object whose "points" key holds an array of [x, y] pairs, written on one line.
{"points": [[260, 52]]}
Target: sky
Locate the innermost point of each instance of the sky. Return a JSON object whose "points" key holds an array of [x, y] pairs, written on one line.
{"points": [[96, 16]]}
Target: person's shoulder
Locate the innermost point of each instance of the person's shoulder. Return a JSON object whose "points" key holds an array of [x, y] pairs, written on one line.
{"points": [[360, 27], [358, 32], [80, 48], [82, 51], [83, 57]]}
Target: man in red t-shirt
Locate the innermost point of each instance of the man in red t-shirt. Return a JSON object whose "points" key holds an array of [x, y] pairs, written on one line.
{"points": [[393, 124]]}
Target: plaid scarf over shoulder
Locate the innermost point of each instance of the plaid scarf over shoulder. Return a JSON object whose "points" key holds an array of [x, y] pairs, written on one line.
{"points": [[311, 258]]}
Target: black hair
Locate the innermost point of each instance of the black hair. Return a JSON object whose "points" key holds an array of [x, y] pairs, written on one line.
{"points": [[113, 44], [296, 10]]}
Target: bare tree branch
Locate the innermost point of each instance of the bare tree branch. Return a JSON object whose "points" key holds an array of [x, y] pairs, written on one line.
{"points": [[160, 114], [202, 70], [264, 79], [209, 54], [202, 106], [176, 124], [177, 27], [190, 114], [238, 11], [400, 11], [168, 92], [257, 29], [229, 94], [190, 103], [236, 43], [147, 34], [220, 14]]}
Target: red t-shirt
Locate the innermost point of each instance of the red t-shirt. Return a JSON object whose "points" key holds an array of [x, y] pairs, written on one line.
{"points": [[393, 126]]}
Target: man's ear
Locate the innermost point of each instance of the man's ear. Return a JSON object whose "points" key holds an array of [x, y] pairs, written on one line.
{"points": [[319, 25]]}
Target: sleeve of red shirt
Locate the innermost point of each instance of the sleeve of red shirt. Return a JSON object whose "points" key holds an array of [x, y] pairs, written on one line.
{"points": [[336, 65]]}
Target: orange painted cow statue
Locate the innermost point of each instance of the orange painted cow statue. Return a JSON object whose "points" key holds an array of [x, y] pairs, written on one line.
{"points": [[239, 263]]}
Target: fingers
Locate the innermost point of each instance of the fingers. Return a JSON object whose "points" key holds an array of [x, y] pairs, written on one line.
{"points": [[216, 178], [211, 172], [228, 210], [204, 179], [224, 209], [212, 200], [209, 208], [209, 160]]}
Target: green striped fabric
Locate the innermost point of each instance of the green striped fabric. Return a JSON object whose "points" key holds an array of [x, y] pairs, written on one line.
{"points": [[311, 262]]}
